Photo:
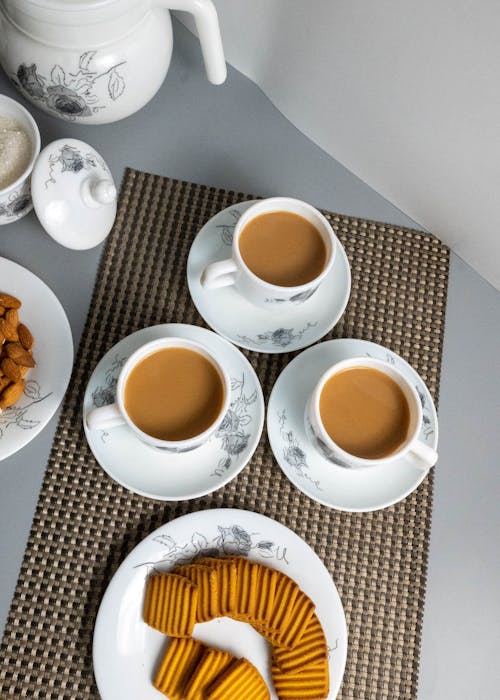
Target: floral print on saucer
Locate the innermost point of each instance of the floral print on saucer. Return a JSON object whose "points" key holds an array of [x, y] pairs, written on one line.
{"points": [[358, 490], [176, 477], [263, 330]]}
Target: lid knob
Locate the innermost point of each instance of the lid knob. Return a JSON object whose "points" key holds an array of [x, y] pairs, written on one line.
{"points": [[98, 191], [103, 191]]}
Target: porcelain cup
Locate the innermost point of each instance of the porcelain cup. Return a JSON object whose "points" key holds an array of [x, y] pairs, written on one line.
{"points": [[15, 199], [234, 271], [114, 415], [421, 455]]}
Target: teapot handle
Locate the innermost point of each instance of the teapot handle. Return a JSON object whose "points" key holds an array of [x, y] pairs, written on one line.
{"points": [[207, 26]]}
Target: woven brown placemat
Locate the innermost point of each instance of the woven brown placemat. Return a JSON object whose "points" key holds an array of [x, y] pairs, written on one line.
{"points": [[85, 524]]}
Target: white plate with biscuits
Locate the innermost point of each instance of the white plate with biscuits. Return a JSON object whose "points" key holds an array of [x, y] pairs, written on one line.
{"points": [[127, 651], [30, 398]]}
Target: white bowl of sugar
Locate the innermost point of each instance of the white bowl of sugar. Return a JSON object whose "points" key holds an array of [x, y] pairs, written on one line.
{"points": [[19, 149]]}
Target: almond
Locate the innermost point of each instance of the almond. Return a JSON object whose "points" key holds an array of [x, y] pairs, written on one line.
{"points": [[9, 301], [9, 332], [2, 310], [20, 356], [25, 337], [24, 371], [11, 394], [12, 317], [10, 369], [4, 381]]}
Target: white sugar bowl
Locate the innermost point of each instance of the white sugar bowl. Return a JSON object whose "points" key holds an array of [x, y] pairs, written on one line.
{"points": [[68, 183], [15, 195], [98, 61]]}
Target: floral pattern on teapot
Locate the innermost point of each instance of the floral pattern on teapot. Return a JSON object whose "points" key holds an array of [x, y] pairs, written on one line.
{"points": [[69, 94]]}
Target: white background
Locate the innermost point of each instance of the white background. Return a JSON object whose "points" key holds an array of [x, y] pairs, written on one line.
{"points": [[405, 94]]}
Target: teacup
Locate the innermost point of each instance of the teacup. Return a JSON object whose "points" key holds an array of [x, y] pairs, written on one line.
{"points": [[234, 271], [116, 414], [15, 199], [411, 447]]}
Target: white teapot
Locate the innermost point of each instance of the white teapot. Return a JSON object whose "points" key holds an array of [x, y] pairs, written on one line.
{"points": [[97, 61]]}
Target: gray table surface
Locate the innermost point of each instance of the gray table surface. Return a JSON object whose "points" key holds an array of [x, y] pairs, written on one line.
{"points": [[232, 136]]}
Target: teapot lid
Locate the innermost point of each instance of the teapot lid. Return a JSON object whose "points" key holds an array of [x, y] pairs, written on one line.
{"points": [[27, 13], [64, 5], [73, 194], [68, 4]]}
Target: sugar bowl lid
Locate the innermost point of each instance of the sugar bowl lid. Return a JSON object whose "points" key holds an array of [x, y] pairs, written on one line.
{"points": [[73, 194]]}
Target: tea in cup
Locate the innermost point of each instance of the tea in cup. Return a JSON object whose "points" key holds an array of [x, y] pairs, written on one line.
{"points": [[363, 412], [282, 251], [173, 393]]}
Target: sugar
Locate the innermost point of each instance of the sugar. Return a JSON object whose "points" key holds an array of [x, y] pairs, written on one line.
{"points": [[15, 151]]}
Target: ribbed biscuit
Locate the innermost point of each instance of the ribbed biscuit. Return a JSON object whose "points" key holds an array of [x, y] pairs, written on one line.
{"points": [[265, 594], [212, 663], [295, 625], [226, 573], [311, 683], [223, 583], [205, 580], [240, 681], [170, 604], [179, 662], [292, 608], [211, 561], [311, 649], [284, 600], [242, 606]]}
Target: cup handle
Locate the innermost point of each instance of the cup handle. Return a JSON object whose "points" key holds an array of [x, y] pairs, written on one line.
{"points": [[219, 274], [207, 26], [105, 417], [424, 456]]}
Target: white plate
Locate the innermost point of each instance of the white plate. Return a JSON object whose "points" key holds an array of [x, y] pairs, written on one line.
{"points": [[246, 325], [343, 489], [177, 477], [126, 650], [53, 351]]}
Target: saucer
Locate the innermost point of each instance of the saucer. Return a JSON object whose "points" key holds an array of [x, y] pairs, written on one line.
{"points": [[46, 383], [358, 490], [270, 330], [177, 477]]}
